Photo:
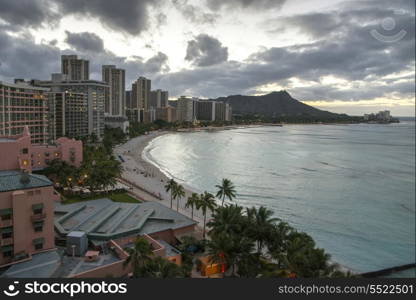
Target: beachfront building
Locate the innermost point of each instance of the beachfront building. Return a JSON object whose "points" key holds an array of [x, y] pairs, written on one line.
{"points": [[139, 100], [167, 114], [26, 216], [159, 99], [24, 105], [223, 111], [95, 91], [75, 68], [213, 111], [19, 153], [186, 109], [115, 98], [205, 110], [67, 115], [140, 93]]}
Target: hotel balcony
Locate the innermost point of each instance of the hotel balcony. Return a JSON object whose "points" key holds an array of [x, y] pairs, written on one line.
{"points": [[6, 223], [38, 217], [6, 242]]}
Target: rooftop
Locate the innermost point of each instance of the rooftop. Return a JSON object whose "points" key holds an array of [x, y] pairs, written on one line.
{"points": [[11, 181], [54, 264], [104, 219]]}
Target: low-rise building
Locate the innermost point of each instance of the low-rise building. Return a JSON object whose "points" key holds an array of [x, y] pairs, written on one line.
{"points": [[26, 215], [18, 153]]}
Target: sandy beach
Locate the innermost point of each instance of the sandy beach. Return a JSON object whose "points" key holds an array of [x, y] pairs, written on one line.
{"points": [[148, 182]]}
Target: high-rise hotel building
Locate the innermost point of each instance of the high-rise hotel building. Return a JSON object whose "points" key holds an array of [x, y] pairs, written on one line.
{"points": [[68, 115], [159, 98], [115, 99], [75, 68], [24, 105], [139, 99], [95, 92]]}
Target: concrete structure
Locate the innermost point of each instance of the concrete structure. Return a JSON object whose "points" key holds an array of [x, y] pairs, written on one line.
{"points": [[67, 115], [17, 152], [186, 109], [26, 215], [159, 99], [76, 243], [206, 110], [167, 114], [115, 98], [24, 105], [96, 91], [140, 93], [76, 69], [128, 100], [223, 111], [117, 122], [139, 100], [213, 111], [381, 117]]}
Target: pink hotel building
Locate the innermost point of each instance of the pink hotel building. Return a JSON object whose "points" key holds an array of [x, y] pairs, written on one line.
{"points": [[26, 199]]}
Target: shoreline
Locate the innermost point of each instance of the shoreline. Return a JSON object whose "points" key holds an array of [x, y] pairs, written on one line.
{"points": [[149, 178]]}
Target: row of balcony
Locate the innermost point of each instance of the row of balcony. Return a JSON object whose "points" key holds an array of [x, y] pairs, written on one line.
{"points": [[6, 242], [33, 218]]}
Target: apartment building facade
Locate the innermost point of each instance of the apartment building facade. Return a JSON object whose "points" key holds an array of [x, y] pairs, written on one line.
{"points": [[75, 68], [115, 98], [186, 109], [26, 215], [67, 115], [95, 91], [24, 105], [159, 98]]}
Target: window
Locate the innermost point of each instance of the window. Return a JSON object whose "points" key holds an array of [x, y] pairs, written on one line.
{"points": [[7, 254], [6, 214], [38, 243], [7, 235], [37, 208], [25, 151], [38, 226]]}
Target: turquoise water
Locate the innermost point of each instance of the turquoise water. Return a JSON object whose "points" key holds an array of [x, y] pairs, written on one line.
{"points": [[352, 187]]}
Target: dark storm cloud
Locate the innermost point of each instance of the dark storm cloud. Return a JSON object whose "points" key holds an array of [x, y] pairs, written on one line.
{"points": [[342, 47], [26, 13], [205, 50], [84, 41], [129, 16], [253, 4], [193, 13], [21, 57]]}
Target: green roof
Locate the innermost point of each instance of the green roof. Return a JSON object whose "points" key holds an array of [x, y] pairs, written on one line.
{"points": [[10, 181]]}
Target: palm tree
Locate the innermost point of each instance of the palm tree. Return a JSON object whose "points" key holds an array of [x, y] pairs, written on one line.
{"points": [[139, 257], [262, 223], [228, 219], [206, 202], [170, 187], [178, 192], [226, 189], [163, 268], [192, 202]]}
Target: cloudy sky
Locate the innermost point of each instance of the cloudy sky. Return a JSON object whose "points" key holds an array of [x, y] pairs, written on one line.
{"points": [[342, 56]]}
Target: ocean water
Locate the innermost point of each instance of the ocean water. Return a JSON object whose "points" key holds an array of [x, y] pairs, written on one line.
{"points": [[351, 187]]}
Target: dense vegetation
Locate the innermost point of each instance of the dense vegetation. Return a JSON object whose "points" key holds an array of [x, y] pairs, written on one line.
{"points": [[248, 242], [99, 168]]}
